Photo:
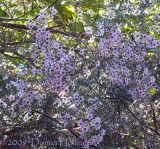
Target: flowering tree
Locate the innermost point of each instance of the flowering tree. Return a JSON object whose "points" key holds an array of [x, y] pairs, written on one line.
{"points": [[83, 76]]}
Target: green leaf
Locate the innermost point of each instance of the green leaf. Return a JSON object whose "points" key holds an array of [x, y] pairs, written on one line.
{"points": [[17, 12], [49, 1], [3, 13], [116, 1], [77, 26], [67, 12], [152, 91]]}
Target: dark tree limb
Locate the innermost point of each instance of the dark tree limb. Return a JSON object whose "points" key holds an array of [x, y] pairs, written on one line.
{"points": [[55, 120], [23, 27]]}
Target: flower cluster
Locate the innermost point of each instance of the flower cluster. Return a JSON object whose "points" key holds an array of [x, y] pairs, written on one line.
{"points": [[114, 61]]}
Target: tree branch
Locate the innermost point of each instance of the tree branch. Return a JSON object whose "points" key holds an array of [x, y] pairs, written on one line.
{"points": [[17, 43], [143, 124], [23, 27], [154, 120], [70, 129]]}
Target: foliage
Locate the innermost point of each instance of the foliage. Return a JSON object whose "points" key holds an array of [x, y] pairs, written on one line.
{"points": [[79, 73]]}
